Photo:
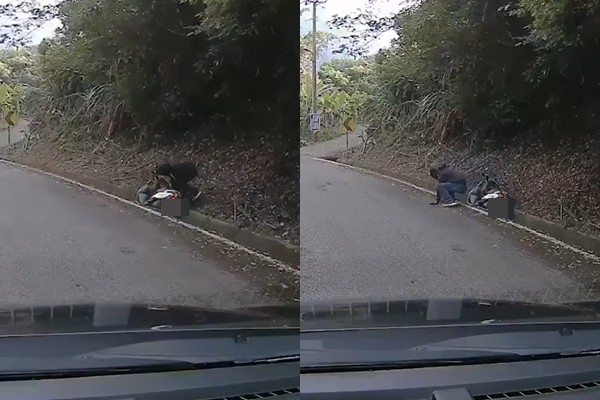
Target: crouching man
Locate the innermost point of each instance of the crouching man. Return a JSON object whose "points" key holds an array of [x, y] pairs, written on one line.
{"points": [[450, 182]]}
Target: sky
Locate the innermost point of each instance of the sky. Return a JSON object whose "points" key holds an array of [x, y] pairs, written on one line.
{"points": [[326, 11], [45, 30]]}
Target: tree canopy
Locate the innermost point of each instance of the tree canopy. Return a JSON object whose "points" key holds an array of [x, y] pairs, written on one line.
{"points": [[164, 69], [482, 70]]}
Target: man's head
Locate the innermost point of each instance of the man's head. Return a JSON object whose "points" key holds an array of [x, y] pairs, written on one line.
{"points": [[433, 172], [164, 169]]}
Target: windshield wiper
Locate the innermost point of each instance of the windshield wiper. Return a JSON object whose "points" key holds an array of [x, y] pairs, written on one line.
{"points": [[160, 366], [272, 360], [128, 365], [442, 362]]}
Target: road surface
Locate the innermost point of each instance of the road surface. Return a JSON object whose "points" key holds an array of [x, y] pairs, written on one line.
{"points": [[61, 244], [363, 237], [323, 149]]}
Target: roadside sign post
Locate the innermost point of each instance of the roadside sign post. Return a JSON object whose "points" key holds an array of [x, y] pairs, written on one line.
{"points": [[315, 123], [349, 126], [11, 119]]}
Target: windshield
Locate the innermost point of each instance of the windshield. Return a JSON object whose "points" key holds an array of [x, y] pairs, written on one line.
{"points": [[151, 173], [153, 153], [449, 170]]}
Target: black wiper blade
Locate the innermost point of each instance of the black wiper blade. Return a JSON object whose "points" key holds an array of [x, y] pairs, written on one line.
{"points": [[271, 360], [377, 366], [101, 371], [409, 364], [584, 352], [131, 365]]}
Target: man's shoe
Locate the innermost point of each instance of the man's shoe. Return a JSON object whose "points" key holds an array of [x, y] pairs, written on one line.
{"points": [[450, 204]]}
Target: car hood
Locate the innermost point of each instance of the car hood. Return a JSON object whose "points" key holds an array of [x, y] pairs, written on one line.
{"points": [[426, 312], [79, 318]]}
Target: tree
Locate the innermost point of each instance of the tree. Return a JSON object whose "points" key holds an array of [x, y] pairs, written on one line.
{"points": [[364, 27], [148, 67], [324, 41], [486, 72]]}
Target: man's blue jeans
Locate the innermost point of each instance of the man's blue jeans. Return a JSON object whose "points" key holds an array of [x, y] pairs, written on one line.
{"points": [[447, 190]]}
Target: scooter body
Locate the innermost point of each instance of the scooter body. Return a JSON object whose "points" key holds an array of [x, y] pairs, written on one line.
{"points": [[154, 200], [487, 189], [159, 188]]}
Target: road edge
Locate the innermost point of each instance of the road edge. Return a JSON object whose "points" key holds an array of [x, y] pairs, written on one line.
{"points": [[284, 254], [578, 242]]}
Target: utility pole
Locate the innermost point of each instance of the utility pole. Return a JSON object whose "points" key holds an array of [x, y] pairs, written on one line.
{"points": [[315, 123], [314, 56]]}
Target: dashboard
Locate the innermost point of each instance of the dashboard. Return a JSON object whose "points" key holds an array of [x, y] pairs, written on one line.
{"points": [[565, 379], [275, 381]]}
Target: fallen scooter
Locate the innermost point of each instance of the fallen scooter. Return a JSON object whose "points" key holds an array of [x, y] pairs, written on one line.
{"points": [[485, 190], [159, 188], [154, 200]]}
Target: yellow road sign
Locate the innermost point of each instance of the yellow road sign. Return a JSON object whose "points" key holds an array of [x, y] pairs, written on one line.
{"points": [[350, 124], [11, 118]]}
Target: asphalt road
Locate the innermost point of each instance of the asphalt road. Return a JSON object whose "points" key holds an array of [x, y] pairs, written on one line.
{"points": [[61, 244], [364, 237]]}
